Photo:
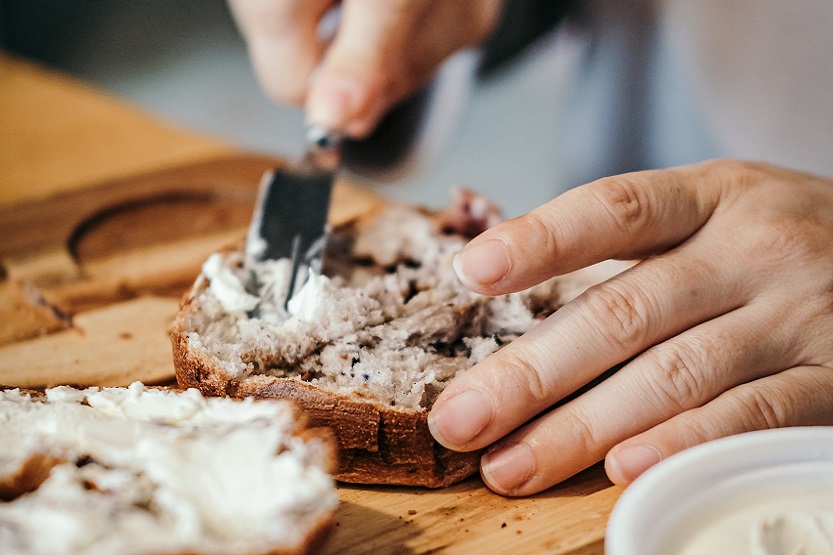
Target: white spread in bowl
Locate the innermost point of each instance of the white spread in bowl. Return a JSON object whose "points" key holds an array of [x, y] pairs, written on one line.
{"points": [[760, 493]]}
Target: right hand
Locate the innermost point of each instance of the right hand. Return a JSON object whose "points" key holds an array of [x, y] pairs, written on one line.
{"points": [[382, 51]]}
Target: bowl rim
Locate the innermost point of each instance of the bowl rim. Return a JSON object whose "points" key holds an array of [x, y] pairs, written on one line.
{"points": [[708, 463]]}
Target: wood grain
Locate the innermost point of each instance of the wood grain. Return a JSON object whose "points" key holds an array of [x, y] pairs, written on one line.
{"points": [[105, 217], [468, 518], [59, 134], [81, 268], [120, 292]]}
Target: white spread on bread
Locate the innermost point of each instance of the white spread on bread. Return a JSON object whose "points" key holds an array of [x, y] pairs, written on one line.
{"points": [[227, 287], [155, 471], [389, 319], [312, 302]]}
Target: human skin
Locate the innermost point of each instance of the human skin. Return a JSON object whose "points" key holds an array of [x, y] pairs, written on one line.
{"points": [[725, 326], [382, 50]]}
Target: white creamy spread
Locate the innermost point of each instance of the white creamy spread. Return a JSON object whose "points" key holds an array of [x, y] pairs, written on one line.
{"points": [[308, 304], [390, 319], [311, 303], [226, 286], [150, 471], [791, 532], [781, 523]]}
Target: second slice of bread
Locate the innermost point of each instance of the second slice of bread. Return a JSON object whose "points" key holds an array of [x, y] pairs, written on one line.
{"points": [[146, 471]]}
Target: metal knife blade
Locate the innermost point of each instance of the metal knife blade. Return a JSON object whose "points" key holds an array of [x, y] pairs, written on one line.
{"points": [[290, 216]]}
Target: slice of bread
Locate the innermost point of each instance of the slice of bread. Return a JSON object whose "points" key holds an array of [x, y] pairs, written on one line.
{"points": [[149, 471], [366, 347]]}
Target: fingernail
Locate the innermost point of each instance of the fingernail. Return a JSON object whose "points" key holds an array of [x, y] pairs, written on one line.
{"points": [[633, 461], [334, 99], [508, 467], [455, 422], [483, 263]]}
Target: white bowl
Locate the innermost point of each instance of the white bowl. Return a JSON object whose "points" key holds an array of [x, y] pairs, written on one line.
{"points": [[703, 485]]}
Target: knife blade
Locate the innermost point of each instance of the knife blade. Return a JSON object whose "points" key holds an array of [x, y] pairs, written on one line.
{"points": [[290, 215], [291, 211]]}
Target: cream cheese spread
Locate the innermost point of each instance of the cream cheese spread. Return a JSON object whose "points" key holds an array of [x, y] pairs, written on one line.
{"points": [[153, 471], [226, 286], [310, 303], [797, 522], [386, 316]]}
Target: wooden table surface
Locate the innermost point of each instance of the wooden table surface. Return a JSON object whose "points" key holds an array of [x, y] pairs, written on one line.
{"points": [[105, 216]]}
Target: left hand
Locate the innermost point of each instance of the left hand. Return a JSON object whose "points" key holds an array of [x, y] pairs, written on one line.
{"points": [[726, 326]]}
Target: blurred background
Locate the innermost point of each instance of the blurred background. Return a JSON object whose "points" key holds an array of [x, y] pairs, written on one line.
{"points": [[186, 62]]}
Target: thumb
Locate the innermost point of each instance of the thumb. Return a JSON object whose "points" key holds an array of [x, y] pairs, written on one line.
{"points": [[358, 80], [384, 50]]}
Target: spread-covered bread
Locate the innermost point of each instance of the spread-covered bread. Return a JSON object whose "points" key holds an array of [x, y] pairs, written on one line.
{"points": [[149, 471], [365, 347]]}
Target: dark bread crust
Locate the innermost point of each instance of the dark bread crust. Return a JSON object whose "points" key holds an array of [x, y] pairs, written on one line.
{"points": [[376, 444]]}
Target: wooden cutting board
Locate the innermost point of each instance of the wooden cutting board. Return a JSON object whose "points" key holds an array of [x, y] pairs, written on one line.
{"points": [[91, 280]]}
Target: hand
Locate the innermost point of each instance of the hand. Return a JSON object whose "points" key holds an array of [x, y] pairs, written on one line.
{"points": [[381, 52], [726, 326]]}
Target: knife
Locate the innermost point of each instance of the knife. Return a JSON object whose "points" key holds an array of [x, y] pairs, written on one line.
{"points": [[290, 216]]}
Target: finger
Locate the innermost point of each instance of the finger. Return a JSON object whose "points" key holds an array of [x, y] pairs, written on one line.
{"points": [[607, 324], [386, 50], [283, 43], [353, 86], [619, 217], [681, 374], [796, 397]]}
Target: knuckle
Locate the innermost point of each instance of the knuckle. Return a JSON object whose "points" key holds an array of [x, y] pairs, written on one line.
{"points": [[677, 377], [627, 202], [762, 406], [584, 438], [621, 312], [783, 226], [535, 225], [525, 376], [762, 241]]}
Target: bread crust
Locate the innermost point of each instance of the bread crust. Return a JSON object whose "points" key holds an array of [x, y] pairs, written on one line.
{"points": [[376, 444]]}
